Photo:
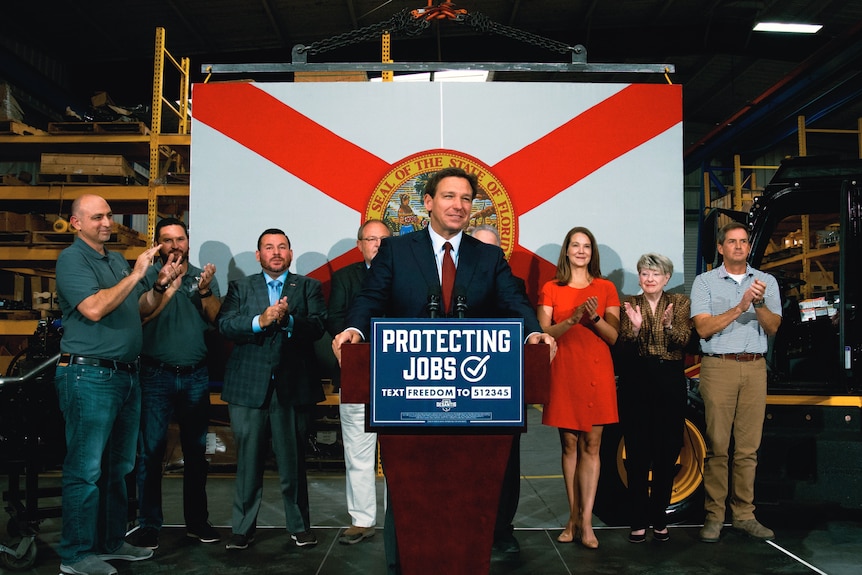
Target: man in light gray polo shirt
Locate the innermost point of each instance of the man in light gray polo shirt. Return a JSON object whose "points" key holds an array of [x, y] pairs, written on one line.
{"points": [[734, 308]]}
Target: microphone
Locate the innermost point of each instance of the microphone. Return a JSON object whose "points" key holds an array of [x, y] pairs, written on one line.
{"points": [[460, 303], [433, 305]]}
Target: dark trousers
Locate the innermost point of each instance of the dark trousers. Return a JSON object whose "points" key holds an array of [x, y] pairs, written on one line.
{"points": [[652, 399], [166, 394]]}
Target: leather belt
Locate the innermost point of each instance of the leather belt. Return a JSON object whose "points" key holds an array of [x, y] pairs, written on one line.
{"points": [[177, 369], [71, 359], [737, 356]]}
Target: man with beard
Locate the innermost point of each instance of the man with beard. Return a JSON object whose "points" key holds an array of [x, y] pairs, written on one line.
{"points": [[175, 382], [273, 319]]}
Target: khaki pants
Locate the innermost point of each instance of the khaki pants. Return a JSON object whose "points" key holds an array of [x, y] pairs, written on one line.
{"points": [[734, 396]]}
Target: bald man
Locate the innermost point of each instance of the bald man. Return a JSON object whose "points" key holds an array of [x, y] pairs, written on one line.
{"points": [[102, 300]]}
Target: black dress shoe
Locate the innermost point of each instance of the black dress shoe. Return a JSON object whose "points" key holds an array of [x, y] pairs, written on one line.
{"points": [[634, 538], [507, 543]]}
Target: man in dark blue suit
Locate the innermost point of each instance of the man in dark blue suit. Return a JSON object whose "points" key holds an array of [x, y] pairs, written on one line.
{"points": [[408, 268], [273, 319]]}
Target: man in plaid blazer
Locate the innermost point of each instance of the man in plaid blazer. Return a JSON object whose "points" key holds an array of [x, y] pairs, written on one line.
{"points": [[273, 319]]}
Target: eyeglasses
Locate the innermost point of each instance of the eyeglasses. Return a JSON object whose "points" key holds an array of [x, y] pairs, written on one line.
{"points": [[373, 238]]}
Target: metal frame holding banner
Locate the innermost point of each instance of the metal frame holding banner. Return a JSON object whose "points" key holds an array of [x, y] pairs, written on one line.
{"points": [[447, 373]]}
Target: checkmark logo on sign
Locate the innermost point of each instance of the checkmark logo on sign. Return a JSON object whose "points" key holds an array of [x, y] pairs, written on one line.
{"points": [[474, 368]]}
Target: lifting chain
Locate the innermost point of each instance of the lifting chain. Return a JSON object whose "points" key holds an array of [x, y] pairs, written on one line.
{"points": [[413, 22], [401, 22], [482, 23]]}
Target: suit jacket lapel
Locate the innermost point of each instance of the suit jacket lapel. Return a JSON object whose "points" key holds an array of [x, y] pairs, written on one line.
{"points": [[289, 287], [260, 292], [359, 272], [467, 263], [423, 253]]}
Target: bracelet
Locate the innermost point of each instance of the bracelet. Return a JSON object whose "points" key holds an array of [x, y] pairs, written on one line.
{"points": [[758, 303], [205, 294], [597, 318], [159, 288]]}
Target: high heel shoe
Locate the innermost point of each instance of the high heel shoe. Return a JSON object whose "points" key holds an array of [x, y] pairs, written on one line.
{"points": [[589, 542], [566, 536], [661, 535]]}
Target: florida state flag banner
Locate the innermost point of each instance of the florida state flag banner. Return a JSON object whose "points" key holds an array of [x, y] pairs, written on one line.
{"points": [[318, 159]]}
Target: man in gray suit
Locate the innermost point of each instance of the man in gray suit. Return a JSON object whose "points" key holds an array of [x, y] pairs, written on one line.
{"points": [[273, 319]]}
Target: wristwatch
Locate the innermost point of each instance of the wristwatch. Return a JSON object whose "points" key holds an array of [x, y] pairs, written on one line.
{"points": [[597, 318]]}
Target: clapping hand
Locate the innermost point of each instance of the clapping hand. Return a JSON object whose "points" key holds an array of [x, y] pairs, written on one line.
{"points": [[635, 316], [667, 316], [171, 270], [206, 277], [588, 308], [274, 314]]}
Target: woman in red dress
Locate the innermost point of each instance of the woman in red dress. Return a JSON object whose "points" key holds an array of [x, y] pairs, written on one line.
{"points": [[581, 310]]}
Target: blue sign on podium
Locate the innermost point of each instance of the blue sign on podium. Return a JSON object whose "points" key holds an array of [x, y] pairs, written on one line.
{"points": [[447, 373]]}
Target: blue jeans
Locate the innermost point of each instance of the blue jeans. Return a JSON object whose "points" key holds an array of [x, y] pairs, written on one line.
{"points": [[186, 397], [102, 409]]}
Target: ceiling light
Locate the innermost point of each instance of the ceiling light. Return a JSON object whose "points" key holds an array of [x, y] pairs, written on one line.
{"points": [[787, 28]]}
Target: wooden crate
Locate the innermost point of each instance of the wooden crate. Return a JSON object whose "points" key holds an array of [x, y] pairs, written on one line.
{"points": [[121, 236], [11, 180], [12, 222], [34, 222], [14, 238], [86, 165], [98, 128], [12, 127], [330, 76], [128, 236]]}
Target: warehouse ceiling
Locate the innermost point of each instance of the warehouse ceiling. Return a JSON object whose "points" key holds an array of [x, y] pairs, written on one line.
{"points": [[742, 90]]}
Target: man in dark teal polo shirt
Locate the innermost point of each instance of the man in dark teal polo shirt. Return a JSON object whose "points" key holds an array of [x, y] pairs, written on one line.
{"points": [[102, 301]]}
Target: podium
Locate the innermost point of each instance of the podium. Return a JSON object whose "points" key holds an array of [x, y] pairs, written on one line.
{"points": [[444, 487]]}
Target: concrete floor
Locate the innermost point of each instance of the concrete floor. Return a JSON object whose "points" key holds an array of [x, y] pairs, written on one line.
{"points": [[808, 539]]}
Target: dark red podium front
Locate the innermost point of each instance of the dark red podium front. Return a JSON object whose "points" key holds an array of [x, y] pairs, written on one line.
{"points": [[443, 488]]}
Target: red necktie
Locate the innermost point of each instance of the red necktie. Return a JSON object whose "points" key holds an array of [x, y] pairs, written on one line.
{"points": [[448, 282]]}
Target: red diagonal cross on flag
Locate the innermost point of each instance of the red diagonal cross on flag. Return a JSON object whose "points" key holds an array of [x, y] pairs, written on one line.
{"points": [[532, 175]]}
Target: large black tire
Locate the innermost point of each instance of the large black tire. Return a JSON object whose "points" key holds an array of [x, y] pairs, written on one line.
{"points": [[686, 504]]}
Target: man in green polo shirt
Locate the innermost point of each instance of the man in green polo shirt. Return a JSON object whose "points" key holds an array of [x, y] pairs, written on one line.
{"points": [[175, 385]]}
